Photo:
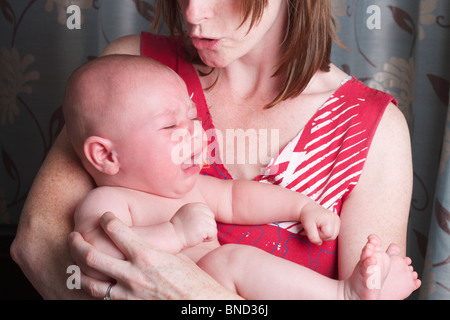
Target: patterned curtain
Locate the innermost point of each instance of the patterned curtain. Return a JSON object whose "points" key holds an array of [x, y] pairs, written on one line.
{"points": [[398, 46]]}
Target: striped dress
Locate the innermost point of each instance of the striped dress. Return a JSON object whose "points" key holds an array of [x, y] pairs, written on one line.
{"points": [[324, 161]]}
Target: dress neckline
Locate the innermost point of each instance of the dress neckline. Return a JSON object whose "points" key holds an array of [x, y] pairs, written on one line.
{"points": [[205, 115]]}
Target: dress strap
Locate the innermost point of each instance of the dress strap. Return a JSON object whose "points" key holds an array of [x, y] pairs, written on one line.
{"points": [[170, 51]]}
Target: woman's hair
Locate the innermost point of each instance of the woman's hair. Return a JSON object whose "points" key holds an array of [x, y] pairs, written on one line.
{"points": [[306, 48]]}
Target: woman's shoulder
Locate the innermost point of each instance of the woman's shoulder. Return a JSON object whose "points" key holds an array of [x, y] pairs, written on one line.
{"points": [[160, 47], [164, 49], [350, 88], [360, 92]]}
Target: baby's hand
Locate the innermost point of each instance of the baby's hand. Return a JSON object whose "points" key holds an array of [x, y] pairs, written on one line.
{"points": [[319, 223], [194, 223]]}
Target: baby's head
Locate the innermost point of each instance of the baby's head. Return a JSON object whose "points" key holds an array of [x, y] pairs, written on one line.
{"points": [[130, 119]]}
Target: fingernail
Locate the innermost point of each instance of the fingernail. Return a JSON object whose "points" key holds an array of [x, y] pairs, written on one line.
{"points": [[106, 217]]}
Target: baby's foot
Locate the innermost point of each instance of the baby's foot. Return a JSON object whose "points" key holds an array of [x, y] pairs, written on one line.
{"points": [[381, 275], [370, 273], [402, 280]]}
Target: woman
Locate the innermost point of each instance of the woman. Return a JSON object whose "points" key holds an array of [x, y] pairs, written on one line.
{"points": [[270, 70]]}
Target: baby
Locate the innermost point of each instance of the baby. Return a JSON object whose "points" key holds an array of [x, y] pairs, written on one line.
{"points": [[133, 125]]}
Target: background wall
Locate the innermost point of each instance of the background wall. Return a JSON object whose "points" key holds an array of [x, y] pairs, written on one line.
{"points": [[398, 46]]}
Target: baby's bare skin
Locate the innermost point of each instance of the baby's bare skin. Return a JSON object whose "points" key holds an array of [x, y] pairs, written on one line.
{"points": [[381, 275]]}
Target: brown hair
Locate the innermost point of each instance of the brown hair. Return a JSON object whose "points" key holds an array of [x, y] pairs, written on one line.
{"points": [[306, 47]]}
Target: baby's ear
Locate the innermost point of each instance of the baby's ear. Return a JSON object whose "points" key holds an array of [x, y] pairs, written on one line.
{"points": [[100, 153]]}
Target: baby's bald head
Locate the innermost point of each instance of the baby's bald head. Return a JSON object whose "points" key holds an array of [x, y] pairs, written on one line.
{"points": [[102, 96]]}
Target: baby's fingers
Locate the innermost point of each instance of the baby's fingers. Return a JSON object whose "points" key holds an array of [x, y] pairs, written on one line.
{"points": [[329, 230], [312, 232], [327, 233], [211, 231]]}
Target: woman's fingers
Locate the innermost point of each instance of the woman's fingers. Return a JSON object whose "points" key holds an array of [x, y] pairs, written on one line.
{"points": [[98, 289], [95, 288], [85, 255], [77, 248], [128, 242]]}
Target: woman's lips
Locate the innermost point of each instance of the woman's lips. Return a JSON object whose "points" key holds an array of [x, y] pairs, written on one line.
{"points": [[205, 43]]}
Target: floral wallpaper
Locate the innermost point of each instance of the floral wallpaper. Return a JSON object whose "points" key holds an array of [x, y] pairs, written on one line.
{"points": [[38, 51], [398, 46]]}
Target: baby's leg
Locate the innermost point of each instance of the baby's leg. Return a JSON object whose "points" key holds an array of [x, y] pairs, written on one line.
{"points": [[257, 275]]}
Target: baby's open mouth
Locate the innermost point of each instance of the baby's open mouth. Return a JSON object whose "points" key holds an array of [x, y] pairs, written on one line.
{"points": [[196, 160]]}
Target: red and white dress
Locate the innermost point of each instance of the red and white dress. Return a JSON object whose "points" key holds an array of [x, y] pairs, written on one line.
{"points": [[324, 161]]}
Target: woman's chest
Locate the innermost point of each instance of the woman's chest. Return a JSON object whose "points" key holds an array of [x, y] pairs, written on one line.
{"points": [[249, 136]]}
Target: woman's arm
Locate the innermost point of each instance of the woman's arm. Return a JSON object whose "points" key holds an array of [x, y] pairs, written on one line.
{"points": [[380, 202], [40, 247]]}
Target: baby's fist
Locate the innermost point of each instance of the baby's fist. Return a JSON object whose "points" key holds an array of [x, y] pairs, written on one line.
{"points": [[320, 224], [194, 223]]}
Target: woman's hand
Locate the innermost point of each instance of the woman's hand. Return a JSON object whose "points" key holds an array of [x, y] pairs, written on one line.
{"points": [[146, 273]]}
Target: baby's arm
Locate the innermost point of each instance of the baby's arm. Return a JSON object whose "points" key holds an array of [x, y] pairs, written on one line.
{"points": [[107, 199], [250, 202]]}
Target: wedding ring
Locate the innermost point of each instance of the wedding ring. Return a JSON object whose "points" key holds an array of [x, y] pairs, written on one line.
{"points": [[108, 292]]}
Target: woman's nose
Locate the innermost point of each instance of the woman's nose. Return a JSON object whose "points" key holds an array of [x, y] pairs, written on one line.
{"points": [[196, 11]]}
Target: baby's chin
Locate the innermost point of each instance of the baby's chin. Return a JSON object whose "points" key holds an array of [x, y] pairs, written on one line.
{"points": [[180, 189]]}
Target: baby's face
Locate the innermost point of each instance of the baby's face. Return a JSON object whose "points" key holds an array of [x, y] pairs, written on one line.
{"points": [[163, 150]]}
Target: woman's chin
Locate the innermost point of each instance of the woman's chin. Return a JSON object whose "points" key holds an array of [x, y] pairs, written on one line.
{"points": [[213, 60]]}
